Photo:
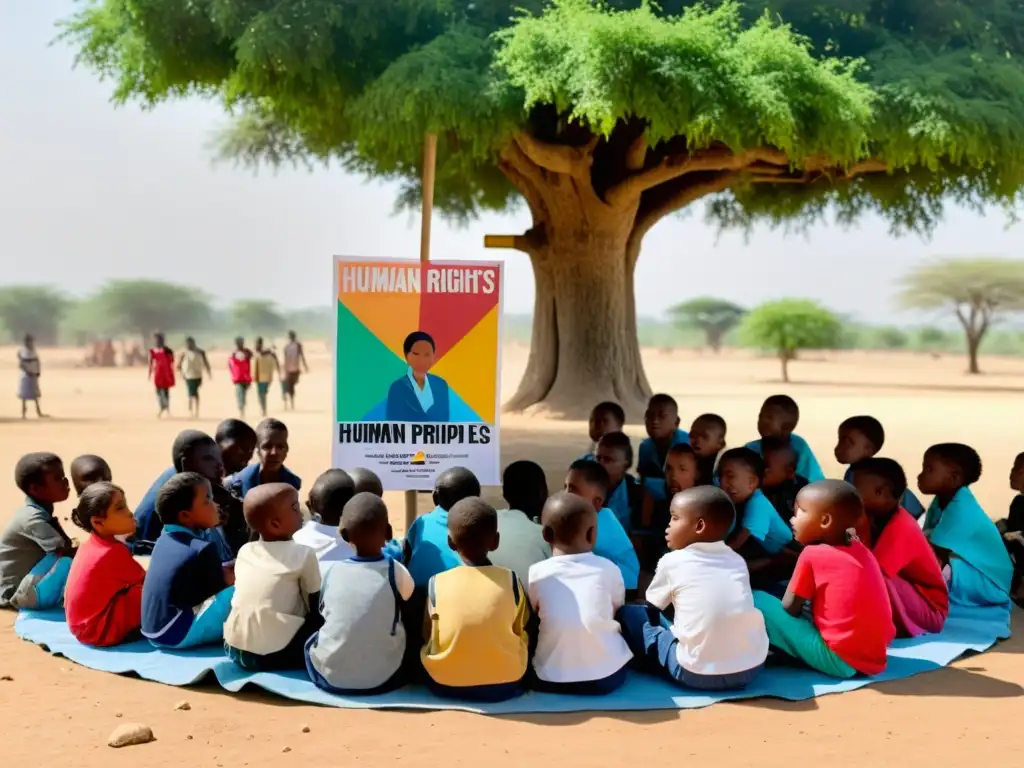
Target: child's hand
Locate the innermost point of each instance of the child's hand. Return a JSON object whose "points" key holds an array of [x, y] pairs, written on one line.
{"points": [[1014, 536], [229, 574]]}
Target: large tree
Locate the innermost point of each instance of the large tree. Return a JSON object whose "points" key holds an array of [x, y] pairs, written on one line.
{"points": [[977, 290], [786, 326], [148, 306], [715, 317], [256, 316], [604, 118], [34, 309]]}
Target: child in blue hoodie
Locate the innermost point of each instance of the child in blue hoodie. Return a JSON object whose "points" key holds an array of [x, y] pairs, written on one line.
{"points": [[271, 450]]}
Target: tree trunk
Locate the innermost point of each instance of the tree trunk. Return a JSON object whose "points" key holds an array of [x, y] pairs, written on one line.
{"points": [[785, 357], [584, 347], [973, 343]]}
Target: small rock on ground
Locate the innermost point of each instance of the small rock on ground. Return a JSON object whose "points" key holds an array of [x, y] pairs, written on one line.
{"points": [[7, 678], [286, 749], [182, 706], [130, 734], [305, 729]]}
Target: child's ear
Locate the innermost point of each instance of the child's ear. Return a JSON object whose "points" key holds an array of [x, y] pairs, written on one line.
{"points": [[549, 534], [700, 527], [497, 541], [677, 422], [826, 521], [591, 535], [451, 545], [599, 502], [433, 496], [344, 534]]}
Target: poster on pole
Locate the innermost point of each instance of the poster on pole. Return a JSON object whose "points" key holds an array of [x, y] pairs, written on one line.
{"points": [[417, 369]]}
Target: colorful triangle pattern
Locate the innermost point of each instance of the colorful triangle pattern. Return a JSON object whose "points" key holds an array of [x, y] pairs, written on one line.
{"points": [[381, 302]]}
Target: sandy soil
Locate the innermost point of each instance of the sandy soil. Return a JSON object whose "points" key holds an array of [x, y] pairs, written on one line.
{"points": [[55, 711]]}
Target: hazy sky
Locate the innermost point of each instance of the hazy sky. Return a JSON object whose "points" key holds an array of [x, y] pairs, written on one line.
{"points": [[89, 192]]}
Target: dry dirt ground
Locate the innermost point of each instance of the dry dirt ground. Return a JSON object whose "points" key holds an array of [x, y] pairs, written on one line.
{"points": [[53, 712]]}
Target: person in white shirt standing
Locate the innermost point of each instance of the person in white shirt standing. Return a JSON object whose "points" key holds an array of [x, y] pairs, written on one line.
{"points": [[276, 605], [191, 366], [326, 502], [294, 357], [576, 594], [718, 639]]}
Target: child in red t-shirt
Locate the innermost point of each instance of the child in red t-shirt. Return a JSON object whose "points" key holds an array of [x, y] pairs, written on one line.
{"points": [[103, 598], [851, 621], [917, 592]]}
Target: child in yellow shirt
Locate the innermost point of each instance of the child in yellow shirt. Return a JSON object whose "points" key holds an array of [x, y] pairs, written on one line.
{"points": [[475, 623]]}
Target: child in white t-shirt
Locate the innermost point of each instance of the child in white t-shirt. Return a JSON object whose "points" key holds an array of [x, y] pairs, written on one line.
{"points": [[718, 639], [327, 498], [576, 594], [276, 605]]}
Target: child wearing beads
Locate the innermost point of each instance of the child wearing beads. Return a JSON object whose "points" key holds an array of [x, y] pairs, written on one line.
{"points": [[976, 566], [103, 597]]}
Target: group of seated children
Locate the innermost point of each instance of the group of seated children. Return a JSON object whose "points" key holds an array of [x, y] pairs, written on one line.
{"points": [[711, 563]]}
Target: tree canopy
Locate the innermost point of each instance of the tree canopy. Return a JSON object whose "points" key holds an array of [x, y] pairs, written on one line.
{"points": [[604, 118], [715, 317], [257, 316], [148, 306], [977, 290], [786, 326], [34, 309]]}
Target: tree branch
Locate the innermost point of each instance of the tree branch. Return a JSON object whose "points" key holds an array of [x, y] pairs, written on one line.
{"points": [[636, 155], [558, 158], [526, 177], [763, 162]]}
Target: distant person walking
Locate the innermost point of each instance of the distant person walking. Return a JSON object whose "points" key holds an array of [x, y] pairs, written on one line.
{"points": [[293, 358], [161, 371], [28, 385], [191, 366], [266, 366], [240, 366]]}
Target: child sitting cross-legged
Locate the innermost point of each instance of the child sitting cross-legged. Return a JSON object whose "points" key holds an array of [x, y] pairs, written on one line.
{"points": [[362, 643], [913, 578], [35, 553], [576, 594], [187, 593], [661, 420], [717, 640], [326, 501], [851, 621], [276, 605], [475, 622], [977, 567], [522, 543], [760, 535], [682, 472], [1012, 527], [272, 450], [427, 548], [103, 597]]}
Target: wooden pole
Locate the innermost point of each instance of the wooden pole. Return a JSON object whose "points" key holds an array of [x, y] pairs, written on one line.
{"points": [[429, 168]]}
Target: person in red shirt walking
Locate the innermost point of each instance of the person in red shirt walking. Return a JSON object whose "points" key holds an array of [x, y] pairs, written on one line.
{"points": [[851, 624], [240, 367], [161, 372], [103, 597]]}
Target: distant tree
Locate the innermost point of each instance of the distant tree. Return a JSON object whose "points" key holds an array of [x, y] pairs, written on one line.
{"points": [[35, 309], [257, 316], [789, 325], [715, 317], [978, 290], [931, 339], [147, 306], [889, 337]]}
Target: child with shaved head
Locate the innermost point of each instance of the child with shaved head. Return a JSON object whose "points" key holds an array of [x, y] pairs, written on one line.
{"points": [[427, 549], [363, 641], [475, 624], [87, 470], [778, 417], [717, 640], [576, 594], [851, 620], [275, 608]]}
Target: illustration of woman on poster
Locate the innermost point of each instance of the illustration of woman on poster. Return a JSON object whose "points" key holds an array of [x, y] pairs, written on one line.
{"points": [[419, 395]]}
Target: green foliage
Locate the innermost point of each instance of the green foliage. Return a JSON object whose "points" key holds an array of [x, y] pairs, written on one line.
{"points": [[932, 339], [787, 326], [886, 337], [715, 317], [257, 316], [34, 309], [148, 306], [934, 88]]}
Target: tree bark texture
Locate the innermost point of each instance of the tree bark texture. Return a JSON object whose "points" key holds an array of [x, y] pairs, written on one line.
{"points": [[592, 200]]}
